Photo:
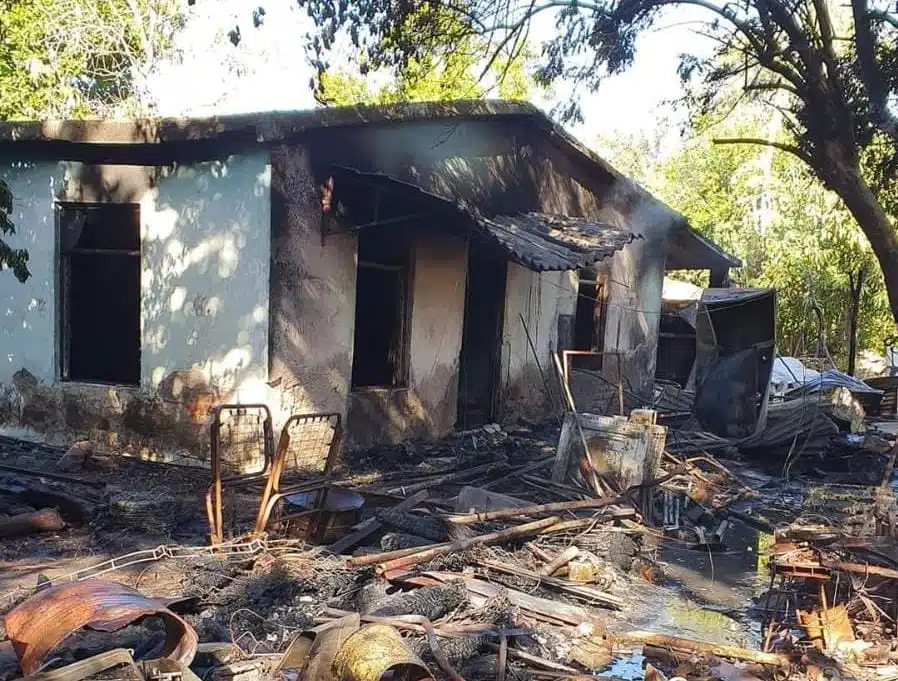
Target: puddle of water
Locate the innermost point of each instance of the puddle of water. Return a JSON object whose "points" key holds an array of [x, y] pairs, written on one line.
{"points": [[629, 668], [708, 594]]}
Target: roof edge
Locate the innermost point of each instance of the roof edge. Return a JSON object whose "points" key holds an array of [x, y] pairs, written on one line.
{"points": [[267, 126]]}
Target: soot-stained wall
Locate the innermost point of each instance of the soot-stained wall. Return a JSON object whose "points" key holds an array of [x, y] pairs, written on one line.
{"points": [[313, 317], [508, 167]]}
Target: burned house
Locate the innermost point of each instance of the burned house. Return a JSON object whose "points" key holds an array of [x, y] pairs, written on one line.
{"points": [[411, 267]]}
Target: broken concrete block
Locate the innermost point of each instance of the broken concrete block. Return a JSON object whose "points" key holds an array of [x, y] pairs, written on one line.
{"points": [[76, 457]]}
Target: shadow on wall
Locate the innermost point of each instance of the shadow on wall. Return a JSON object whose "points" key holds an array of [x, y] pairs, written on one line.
{"points": [[203, 302], [205, 260]]}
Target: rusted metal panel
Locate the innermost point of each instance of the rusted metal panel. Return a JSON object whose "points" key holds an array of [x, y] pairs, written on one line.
{"points": [[37, 626]]}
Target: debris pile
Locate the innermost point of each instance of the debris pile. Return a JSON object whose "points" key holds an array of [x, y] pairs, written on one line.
{"points": [[535, 553]]}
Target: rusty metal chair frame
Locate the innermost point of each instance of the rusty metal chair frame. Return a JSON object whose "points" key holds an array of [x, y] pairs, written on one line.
{"points": [[274, 493], [214, 510]]}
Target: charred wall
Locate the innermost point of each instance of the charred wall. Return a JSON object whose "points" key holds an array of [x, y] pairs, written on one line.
{"points": [[313, 302], [514, 167], [426, 406]]}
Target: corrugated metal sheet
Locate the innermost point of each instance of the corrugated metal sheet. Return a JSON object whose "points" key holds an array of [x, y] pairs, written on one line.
{"points": [[554, 242], [38, 625]]}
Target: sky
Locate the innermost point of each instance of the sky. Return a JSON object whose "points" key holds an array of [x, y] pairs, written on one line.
{"points": [[268, 70]]}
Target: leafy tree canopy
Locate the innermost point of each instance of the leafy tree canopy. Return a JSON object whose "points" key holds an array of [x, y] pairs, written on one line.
{"points": [[456, 71], [76, 59], [765, 206]]}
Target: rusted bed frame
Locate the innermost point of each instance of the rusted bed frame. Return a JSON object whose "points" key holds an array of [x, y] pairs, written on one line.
{"points": [[309, 472]]}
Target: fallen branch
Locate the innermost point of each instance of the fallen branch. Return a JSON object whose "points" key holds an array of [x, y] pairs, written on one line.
{"points": [[438, 655], [461, 544], [559, 561], [675, 642], [534, 660], [442, 479], [554, 612], [501, 514], [372, 558]]}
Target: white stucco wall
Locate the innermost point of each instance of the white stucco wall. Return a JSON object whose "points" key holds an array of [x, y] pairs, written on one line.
{"points": [[540, 297], [204, 277], [28, 331]]}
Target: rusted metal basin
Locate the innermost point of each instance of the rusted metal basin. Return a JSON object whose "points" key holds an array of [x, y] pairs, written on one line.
{"points": [[37, 626], [377, 652]]}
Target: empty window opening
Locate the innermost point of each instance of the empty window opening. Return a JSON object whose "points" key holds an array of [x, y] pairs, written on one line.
{"points": [[99, 246], [589, 323], [381, 310]]}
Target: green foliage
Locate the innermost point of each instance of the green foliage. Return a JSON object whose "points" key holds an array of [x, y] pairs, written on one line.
{"points": [[766, 207], [75, 59], [828, 70], [450, 69]]}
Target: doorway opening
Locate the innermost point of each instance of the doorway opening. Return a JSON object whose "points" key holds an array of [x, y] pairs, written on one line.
{"points": [[478, 381]]}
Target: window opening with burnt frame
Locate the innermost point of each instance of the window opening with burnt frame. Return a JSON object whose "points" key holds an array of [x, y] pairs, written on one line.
{"points": [[589, 323], [99, 285], [380, 350]]}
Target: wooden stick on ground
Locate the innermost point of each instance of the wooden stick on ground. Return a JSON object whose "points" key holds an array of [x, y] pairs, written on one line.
{"points": [[538, 552], [372, 558], [675, 642], [563, 585], [559, 561], [503, 513], [502, 662], [534, 660], [461, 544]]}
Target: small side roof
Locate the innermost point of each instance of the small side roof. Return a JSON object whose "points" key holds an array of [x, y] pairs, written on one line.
{"points": [[690, 250]]}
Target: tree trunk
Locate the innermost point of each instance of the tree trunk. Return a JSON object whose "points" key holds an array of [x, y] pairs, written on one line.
{"points": [[876, 226], [856, 286]]}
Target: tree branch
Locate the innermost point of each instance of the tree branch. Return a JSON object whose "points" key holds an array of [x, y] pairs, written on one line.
{"points": [[767, 86], [871, 75], [788, 148]]}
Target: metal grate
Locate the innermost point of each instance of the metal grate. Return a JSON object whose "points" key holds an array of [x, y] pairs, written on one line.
{"points": [[242, 439], [242, 442], [309, 445], [307, 451]]}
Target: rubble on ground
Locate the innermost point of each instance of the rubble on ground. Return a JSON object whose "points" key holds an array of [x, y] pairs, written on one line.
{"points": [[600, 547]]}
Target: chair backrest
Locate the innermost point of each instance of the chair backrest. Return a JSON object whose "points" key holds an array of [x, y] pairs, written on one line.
{"points": [[309, 445], [242, 439]]}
